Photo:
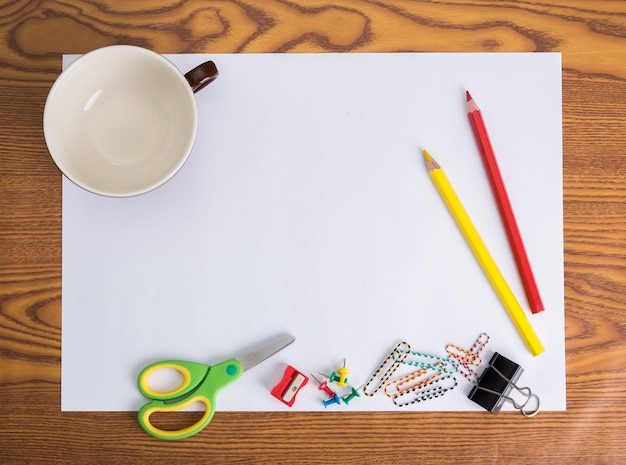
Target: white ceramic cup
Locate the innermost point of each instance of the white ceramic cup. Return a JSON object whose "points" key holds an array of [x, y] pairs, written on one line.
{"points": [[121, 120]]}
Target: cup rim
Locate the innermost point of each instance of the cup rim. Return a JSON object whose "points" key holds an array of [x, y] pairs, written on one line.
{"points": [[146, 187]]}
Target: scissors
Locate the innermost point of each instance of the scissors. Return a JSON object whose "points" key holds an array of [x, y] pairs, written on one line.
{"points": [[201, 383]]}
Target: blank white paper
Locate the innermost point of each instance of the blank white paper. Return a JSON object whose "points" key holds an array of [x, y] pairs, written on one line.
{"points": [[306, 208]]}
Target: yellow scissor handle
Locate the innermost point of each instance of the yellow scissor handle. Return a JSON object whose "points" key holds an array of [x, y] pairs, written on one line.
{"points": [[160, 406], [192, 373]]}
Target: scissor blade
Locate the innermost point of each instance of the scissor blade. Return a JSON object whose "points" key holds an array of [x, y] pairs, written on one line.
{"points": [[256, 356]]}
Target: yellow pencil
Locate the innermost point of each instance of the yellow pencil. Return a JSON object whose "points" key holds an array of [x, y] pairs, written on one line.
{"points": [[463, 221]]}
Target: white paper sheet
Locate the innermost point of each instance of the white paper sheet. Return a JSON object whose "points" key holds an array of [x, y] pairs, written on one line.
{"points": [[305, 208]]}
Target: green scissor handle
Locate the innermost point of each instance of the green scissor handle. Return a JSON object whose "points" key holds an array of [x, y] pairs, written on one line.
{"points": [[201, 383]]}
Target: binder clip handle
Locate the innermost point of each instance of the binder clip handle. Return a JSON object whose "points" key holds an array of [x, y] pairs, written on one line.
{"points": [[521, 407], [498, 385]]}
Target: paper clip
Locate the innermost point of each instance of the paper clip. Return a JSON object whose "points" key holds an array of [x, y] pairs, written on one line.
{"points": [[468, 358], [387, 368], [411, 382], [435, 388], [495, 384], [463, 356], [480, 343], [432, 362]]}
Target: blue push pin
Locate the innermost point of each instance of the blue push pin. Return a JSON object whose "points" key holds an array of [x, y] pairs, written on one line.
{"points": [[333, 400]]}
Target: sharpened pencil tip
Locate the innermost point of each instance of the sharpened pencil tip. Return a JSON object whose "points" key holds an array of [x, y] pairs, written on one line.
{"points": [[471, 105], [430, 163]]}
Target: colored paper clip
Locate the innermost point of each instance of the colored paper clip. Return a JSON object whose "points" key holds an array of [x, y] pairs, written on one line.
{"points": [[431, 362], [463, 356], [387, 368], [435, 388], [480, 343], [412, 381], [467, 359], [495, 384]]}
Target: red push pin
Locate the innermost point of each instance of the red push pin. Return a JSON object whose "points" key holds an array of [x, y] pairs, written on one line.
{"points": [[323, 386]]}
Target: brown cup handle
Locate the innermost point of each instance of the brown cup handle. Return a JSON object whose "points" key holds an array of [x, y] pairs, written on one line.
{"points": [[202, 75]]}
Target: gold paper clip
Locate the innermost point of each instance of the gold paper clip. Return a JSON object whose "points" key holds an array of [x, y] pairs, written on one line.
{"points": [[467, 359], [387, 368], [463, 356], [412, 381]]}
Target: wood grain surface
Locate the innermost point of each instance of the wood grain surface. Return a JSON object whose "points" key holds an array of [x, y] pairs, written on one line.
{"points": [[591, 34]]}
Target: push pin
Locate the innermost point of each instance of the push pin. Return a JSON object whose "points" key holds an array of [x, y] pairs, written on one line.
{"points": [[343, 373], [334, 377], [333, 400], [323, 386], [352, 395], [495, 384]]}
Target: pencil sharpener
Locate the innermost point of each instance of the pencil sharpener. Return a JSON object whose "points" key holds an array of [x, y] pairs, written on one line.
{"points": [[289, 386]]}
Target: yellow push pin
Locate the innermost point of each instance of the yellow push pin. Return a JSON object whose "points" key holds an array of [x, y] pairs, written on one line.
{"points": [[343, 374]]}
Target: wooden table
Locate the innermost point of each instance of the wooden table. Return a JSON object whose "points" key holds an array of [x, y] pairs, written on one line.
{"points": [[591, 34]]}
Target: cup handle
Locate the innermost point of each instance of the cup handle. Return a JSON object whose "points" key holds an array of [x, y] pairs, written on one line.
{"points": [[202, 75]]}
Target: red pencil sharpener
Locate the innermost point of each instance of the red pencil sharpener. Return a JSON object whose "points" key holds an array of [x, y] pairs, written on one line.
{"points": [[288, 387]]}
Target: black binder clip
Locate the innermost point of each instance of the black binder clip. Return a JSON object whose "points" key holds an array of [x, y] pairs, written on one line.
{"points": [[495, 384]]}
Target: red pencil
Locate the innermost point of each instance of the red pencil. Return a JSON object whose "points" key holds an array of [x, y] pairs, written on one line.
{"points": [[504, 205]]}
